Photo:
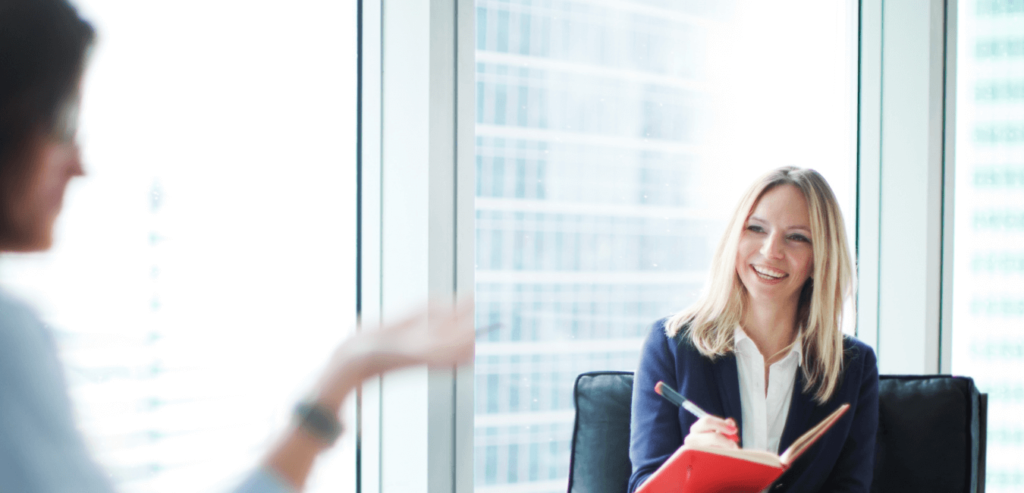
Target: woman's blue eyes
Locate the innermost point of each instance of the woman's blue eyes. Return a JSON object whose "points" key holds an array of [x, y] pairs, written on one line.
{"points": [[795, 237]]}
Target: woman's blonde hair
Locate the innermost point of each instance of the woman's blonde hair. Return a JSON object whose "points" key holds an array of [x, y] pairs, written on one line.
{"points": [[711, 320]]}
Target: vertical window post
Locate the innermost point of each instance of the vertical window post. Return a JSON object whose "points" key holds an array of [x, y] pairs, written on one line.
{"points": [[912, 157], [417, 236]]}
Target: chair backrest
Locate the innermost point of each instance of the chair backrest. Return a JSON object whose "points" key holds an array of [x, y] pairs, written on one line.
{"points": [[931, 434], [599, 458]]}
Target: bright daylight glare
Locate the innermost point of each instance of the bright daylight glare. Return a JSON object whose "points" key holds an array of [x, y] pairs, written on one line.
{"points": [[205, 266]]}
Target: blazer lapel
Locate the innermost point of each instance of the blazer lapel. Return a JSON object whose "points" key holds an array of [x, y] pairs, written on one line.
{"points": [[801, 408], [728, 380]]}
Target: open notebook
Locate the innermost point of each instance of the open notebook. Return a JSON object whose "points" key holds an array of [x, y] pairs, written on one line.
{"points": [[706, 469]]}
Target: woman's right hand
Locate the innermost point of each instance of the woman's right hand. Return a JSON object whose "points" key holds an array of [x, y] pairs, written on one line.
{"points": [[437, 335], [711, 431]]}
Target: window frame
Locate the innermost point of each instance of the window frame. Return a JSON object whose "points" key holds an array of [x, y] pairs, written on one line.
{"points": [[416, 233], [905, 196]]}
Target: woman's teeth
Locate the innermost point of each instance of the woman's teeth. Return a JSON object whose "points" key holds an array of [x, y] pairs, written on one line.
{"points": [[768, 275]]}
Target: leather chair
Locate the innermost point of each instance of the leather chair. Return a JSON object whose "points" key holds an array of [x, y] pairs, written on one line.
{"points": [[931, 434]]}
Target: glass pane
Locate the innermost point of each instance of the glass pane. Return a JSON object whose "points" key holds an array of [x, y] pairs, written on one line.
{"points": [[205, 266], [988, 265], [613, 140]]}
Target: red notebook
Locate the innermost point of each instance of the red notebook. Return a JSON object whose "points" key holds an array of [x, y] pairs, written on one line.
{"points": [[707, 470]]}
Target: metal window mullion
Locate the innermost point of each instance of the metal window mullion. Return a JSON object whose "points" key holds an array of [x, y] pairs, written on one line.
{"points": [[370, 231], [422, 236], [945, 362], [869, 136], [911, 178], [465, 238]]}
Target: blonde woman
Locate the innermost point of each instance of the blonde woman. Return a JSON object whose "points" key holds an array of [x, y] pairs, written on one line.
{"points": [[762, 348]]}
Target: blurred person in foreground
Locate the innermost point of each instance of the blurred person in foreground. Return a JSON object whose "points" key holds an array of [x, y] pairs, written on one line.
{"points": [[43, 49], [763, 346]]}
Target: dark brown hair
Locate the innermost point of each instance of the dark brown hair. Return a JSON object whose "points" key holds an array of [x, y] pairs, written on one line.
{"points": [[43, 45]]}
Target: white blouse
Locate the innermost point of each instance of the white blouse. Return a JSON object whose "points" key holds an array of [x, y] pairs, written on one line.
{"points": [[764, 414]]}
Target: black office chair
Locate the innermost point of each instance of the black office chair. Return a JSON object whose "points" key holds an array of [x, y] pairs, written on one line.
{"points": [[931, 434]]}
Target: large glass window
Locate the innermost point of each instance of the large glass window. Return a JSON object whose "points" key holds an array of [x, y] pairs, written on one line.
{"points": [[988, 266], [613, 140], [205, 267]]}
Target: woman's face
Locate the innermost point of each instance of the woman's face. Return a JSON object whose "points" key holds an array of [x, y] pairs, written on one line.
{"points": [[775, 258], [37, 195]]}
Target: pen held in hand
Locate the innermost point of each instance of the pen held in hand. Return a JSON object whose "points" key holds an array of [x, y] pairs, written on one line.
{"points": [[676, 398]]}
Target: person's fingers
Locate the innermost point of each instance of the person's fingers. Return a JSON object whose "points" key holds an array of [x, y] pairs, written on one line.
{"points": [[405, 322], [456, 335], [714, 424], [709, 439], [442, 335], [439, 334], [443, 316]]}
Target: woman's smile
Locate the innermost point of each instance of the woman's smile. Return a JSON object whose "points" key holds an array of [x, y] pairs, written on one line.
{"points": [[768, 274]]}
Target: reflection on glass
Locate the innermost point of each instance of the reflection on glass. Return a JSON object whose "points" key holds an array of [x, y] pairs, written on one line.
{"points": [[205, 265], [988, 266], [613, 140]]}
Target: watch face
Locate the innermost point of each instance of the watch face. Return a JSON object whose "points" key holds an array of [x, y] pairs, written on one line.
{"points": [[319, 422]]}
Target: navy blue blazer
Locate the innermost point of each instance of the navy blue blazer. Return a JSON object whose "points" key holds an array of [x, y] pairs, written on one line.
{"points": [[842, 460]]}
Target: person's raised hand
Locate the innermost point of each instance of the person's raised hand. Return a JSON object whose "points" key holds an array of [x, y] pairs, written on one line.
{"points": [[439, 335], [711, 431]]}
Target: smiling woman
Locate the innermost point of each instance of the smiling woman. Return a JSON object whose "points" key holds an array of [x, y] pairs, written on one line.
{"points": [[764, 343], [774, 258]]}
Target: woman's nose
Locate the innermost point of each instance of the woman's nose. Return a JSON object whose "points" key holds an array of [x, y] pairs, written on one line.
{"points": [[74, 162], [772, 247]]}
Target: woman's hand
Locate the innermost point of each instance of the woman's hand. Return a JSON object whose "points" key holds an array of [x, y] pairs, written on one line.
{"points": [[436, 335], [711, 431], [439, 335]]}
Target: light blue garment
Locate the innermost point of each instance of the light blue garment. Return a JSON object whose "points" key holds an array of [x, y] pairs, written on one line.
{"points": [[41, 450]]}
